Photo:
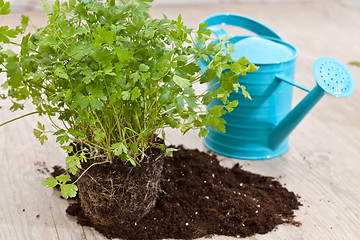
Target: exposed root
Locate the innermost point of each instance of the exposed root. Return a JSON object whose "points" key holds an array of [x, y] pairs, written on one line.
{"points": [[125, 193]]}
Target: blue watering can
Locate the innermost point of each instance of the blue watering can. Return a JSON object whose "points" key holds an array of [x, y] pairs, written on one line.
{"points": [[259, 128]]}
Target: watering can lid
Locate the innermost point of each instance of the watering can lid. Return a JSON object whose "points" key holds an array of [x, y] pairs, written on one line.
{"points": [[260, 50]]}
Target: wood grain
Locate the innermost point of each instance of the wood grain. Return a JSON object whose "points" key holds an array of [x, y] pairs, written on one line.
{"points": [[322, 165]]}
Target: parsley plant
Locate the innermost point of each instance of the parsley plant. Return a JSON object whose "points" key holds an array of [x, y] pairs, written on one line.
{"points": [[115, 78]]}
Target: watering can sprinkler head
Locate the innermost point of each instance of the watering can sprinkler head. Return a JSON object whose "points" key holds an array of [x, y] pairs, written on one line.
{"points": [[332, 77]]}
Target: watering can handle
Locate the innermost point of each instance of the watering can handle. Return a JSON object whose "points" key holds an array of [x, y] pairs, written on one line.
{"points": [[238, 21]]}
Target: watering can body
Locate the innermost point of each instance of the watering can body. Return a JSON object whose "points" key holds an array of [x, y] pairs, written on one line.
{"points": [[250, 124], [259, 128]]}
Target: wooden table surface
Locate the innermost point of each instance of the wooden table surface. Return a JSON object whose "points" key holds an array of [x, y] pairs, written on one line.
{"points": [[322, 164]]}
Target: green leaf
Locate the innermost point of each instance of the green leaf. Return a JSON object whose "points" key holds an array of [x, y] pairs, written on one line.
{"points": [[203, 132], [96, 104], [103, 36], [59, 132], [135, 76], [205, 57], [24, 22], [119, 148], [230, 106], [5, 8], [143, 67], [83, 155], [216, 110], [40, 133], [60, 72], [109, 71], [79, 51], [218, 124], [181, 82], [180, 101], [73, 163], [68, 149], [252, 68], [68, 190], [37, 133], [244, 92], [63, 178], [191, 101], [202, 26], [243, 61], [355, 63], [191, 68], [125, 95], [149, 33], [46, 5], [134, 147], [123, 55], [50, 182], [112, 3], [76, 133], [135, 93], [83, 102], [41, 126], [181, 58], [165, 97], [72, 4], [3, 33], [16, 106], [169, 152], [99, 135], [96, 91], [162, 147], [42, 139], [103, 56], [132, 161], [62, 139]]}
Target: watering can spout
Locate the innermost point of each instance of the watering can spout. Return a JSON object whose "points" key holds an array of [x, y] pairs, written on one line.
{"points": [[331, 77], [282, 130]]}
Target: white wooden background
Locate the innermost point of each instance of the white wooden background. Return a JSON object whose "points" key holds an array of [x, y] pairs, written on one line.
{"points": [[322, 164], [20, 5]]}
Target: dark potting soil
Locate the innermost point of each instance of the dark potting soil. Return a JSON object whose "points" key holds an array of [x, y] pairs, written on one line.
{"points": [[201, 198]]}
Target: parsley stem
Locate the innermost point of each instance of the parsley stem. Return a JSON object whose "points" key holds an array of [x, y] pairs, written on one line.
{"points": [[19, 45], [168, 110], [14, 119], [41, 86]]}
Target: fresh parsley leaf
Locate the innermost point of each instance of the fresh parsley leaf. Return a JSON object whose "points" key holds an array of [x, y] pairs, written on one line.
{"points": [[68, 190], [50, 182], [181, 82]]}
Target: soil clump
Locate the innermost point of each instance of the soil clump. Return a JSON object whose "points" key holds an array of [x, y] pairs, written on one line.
{"points": [[201, 198]]}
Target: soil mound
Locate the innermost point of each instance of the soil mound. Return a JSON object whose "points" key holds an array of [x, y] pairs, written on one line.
{"points": [[201, 198]]}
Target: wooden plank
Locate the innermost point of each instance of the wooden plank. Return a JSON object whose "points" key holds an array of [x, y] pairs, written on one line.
{"points": [[322, 164]]}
